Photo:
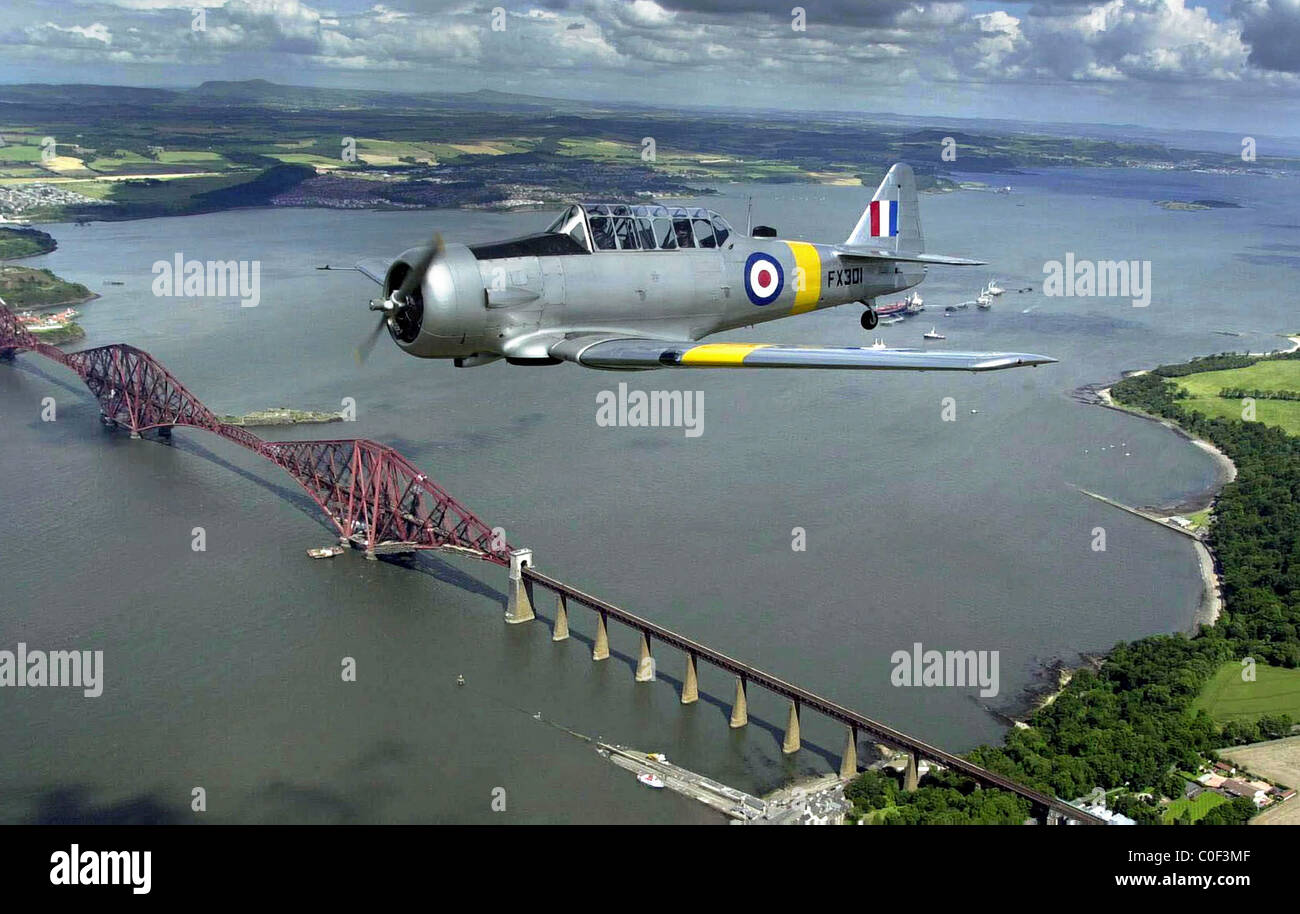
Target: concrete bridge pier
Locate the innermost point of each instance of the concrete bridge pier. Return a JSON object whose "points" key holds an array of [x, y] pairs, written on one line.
{"points": [[691, 684], [519, 603], [792, 743], [600, 651], [561, 632], [912, 776], [740, 709], [645, 667], [849, 757]]}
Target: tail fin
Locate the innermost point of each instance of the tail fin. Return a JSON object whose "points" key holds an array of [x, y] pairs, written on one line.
{"points": [[892, 218]]}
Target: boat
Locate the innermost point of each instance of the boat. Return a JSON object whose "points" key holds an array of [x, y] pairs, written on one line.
{"points": [[460, 680], [327, 552], [993, 288], [878, 343], [913, 304], [649, 780], [933, 335], [892, 320], [984, 302], [960, 306]]}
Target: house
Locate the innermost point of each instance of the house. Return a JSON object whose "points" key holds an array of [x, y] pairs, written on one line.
{"points": [[1224, 767], [1213, 781], [1110, 818], [1243, 789]]}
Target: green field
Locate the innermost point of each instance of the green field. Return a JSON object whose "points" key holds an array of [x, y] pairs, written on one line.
{"points": [[1198, 807], [1281, 374], [1274, 691]]}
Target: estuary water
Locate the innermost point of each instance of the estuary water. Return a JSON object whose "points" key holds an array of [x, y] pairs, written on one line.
{"points": [[222, 667]]}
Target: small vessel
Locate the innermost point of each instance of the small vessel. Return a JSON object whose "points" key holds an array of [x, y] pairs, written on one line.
{"points": [[460, 680], [993, 288], [892, 320], [912, 304], [960, 306], [933, 335], [326, 552], [878, 343], [649, 780], [984, 302]]}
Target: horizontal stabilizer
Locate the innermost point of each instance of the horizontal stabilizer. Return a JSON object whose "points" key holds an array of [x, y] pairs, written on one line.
{"points": [[632, 354], [866, 252]]}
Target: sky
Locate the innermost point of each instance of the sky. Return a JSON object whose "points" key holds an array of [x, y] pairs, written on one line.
{"points": [[1229, 65]]}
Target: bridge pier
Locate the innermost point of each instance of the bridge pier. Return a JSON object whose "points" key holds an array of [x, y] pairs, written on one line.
{"points": [[740, 709], [561, 632], [849, 757], [645, 667], [911, 776], [691, 684], [600, 651], [792, 742], [519, 604]]}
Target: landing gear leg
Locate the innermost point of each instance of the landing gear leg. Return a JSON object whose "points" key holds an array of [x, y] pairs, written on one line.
{"points": [[870, 320]]}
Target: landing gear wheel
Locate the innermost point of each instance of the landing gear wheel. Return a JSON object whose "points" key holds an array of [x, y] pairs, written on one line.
{"points": [[870, 319]]}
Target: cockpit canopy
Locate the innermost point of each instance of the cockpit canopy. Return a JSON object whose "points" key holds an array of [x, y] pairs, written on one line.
{"points": [[641, 227]]}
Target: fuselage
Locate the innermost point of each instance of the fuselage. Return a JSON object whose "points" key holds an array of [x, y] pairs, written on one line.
{"points": [[515, 298]]}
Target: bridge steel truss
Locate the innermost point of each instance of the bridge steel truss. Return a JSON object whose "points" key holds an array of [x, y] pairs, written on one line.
{"points": [[376, 498]]}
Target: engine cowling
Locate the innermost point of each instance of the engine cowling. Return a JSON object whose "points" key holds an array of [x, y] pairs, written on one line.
{"points": [[446, 315]]}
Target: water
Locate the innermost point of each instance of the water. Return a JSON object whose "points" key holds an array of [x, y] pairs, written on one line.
{"points": [[223, 667]]}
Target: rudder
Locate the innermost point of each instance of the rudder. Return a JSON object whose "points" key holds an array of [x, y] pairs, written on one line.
{"points": [[892, 219]]}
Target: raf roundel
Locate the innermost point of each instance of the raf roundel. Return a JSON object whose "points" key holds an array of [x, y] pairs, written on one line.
{"points": [[764, 278]]}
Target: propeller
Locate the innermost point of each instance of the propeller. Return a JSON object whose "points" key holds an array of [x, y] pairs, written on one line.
{"points": [[399, 298]]}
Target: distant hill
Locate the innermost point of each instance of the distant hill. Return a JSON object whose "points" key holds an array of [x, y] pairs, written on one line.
{"points": [[80, 94], [266, 94]]}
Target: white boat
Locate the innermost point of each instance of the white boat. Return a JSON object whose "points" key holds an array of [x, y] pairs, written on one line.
{"points": [[993, 288], [891, 320], [649, 780], [984, 302], [878, 343], [933, 335], [327, 552]]}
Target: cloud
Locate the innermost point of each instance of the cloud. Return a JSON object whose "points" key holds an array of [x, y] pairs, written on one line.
{"points": [[692, 51], [1272, 29]]}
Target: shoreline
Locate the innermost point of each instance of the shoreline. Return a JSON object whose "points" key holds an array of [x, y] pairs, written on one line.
{"points": [[1210, 608], [1211, 604]]}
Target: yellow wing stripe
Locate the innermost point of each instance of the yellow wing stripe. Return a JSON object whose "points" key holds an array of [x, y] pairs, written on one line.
{"points": [[720, 353], [807, 281]]}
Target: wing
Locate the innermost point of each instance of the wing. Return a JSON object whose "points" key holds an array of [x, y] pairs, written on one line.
{"points": [[621, 353], [375, 269]]}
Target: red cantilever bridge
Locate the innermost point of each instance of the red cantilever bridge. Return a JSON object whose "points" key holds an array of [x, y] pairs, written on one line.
{"points": [[370, 492], [379, 501]]}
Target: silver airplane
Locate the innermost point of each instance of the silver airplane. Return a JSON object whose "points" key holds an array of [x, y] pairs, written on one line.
{"points": [[635, 287]]}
